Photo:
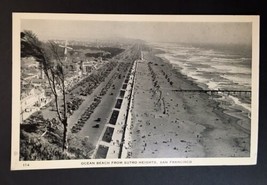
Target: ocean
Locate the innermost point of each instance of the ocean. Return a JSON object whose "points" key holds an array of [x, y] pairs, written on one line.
{"points": [[215, 67]]}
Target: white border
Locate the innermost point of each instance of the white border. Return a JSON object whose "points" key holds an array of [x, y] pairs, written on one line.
{"points": [[94, 163]]}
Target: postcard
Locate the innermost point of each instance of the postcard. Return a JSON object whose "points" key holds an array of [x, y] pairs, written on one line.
{"points": [[93, 90]]}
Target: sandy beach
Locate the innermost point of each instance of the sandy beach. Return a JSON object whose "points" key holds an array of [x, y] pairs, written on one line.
{"points": [[167, 123], [93, 91]]}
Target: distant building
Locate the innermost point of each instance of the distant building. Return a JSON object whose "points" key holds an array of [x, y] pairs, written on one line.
{"points": [[29, 77], [38, 82], [31, 67], [32, 99], [88, 66], [91, 64]]}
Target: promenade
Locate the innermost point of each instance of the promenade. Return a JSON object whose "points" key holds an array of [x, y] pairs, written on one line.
{"points": [[112, 138]]}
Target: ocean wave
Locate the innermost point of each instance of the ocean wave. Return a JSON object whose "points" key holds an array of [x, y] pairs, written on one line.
{"points": [[211, 69]]}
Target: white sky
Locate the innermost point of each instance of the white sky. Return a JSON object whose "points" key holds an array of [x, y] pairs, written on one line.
{"points": [[224, 33]]}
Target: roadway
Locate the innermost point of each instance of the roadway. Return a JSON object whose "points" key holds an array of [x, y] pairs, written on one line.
{"points": [[103, 110]]}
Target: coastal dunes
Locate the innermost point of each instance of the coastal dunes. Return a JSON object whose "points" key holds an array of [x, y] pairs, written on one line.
{"points": [[166, 123]]}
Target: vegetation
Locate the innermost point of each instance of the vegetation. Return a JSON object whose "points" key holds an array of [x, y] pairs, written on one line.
{"points": [[101, 152], [40, 140], [108, 134], [51, 62], [104, 52]]}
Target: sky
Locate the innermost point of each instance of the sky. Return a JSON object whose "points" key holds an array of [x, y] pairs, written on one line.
{"points": [[188, 32]]}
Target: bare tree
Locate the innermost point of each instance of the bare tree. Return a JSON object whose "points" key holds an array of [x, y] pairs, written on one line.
{"points": [[48, 56]]}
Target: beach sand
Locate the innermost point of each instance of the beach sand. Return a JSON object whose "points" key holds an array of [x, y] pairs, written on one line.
{"points": [[179, 124]]}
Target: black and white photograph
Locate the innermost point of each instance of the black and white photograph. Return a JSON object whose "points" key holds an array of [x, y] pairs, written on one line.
{"points": [[134, 90]]}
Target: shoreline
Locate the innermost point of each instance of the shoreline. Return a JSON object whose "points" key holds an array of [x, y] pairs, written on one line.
{"points": [[224, 110], [207, 132]]}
